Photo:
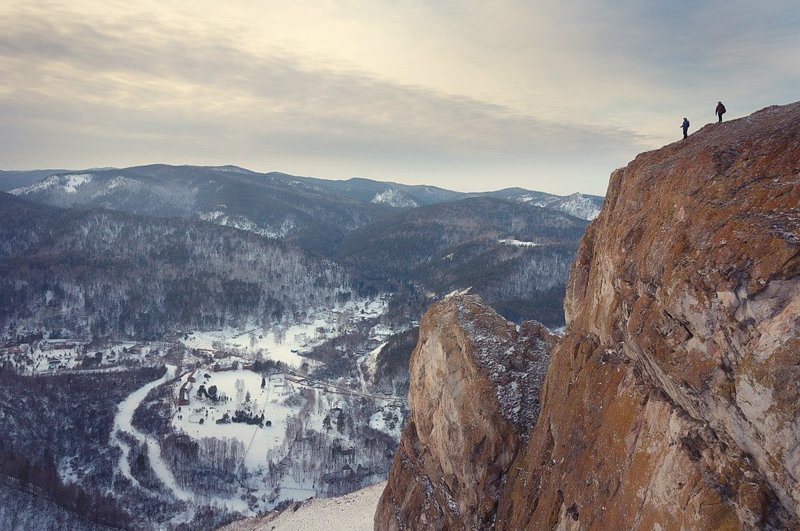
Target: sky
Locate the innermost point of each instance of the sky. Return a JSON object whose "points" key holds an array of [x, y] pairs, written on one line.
{"points": [[469, 95]]}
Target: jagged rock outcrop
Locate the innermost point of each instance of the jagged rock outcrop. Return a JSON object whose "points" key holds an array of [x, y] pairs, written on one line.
{"points": [[673, 401], [473, 393]]}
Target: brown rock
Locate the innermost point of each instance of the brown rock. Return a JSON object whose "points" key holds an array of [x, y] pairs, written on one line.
{"points": [[473, 395], [673, 402]]}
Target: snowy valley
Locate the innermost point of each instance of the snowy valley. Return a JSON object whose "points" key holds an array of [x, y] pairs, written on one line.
{"points": [[239, 421], [181, 347]]}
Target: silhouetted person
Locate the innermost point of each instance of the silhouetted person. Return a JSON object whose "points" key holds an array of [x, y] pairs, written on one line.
{"points": [[720, 110], [685, 126]]}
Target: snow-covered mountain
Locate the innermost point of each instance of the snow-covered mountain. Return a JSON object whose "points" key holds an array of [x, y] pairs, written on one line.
{"points": [[579, 205], [185, 191], [19, 179], [275, 204], [584, 206]]}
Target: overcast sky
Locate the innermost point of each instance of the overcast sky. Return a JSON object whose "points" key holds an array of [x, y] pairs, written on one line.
{"points": [[470, 95]]}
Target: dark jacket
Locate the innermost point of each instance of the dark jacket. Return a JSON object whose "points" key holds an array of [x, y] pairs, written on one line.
{"points": [[720, 109]]}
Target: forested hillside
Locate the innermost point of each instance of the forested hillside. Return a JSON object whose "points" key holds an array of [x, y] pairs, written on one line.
{"points": [[107, 274], [515, 255]]}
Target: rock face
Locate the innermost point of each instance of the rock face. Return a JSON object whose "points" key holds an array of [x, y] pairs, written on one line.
{"points": [[473, 394], [673, 401]]}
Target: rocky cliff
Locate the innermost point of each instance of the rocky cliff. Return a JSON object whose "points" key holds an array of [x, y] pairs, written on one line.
{"points": [[474, 395], [673, 401]]}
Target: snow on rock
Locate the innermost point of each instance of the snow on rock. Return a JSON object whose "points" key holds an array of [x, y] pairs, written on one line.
{"points": [[457, 292], [515, 360], [370, 362], [353, 512]]}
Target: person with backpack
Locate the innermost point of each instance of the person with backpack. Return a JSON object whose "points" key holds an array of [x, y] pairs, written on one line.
{"points": [[685, 126], [720, 110]]}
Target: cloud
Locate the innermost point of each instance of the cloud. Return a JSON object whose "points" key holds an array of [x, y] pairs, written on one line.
{"points": [[162, 88], [456, 90]]}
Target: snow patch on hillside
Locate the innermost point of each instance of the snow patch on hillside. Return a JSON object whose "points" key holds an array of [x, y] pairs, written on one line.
{"points": [[394, 198], [580, 206], [72, 182], [116, 182], [577, 204], [242, 223], [68, 183], [44, 184], [518, 243]]}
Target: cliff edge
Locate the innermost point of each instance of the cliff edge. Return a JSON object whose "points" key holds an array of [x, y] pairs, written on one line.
{"points": [[673, 401]]}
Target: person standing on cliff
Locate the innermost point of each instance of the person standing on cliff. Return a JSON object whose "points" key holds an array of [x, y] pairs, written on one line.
{"points": [[685, 126], [720, 110]]}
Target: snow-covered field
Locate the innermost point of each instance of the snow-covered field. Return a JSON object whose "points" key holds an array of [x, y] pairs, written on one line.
{"points": [[267, 441], [242, 391], [285, 343], [282, 343]]}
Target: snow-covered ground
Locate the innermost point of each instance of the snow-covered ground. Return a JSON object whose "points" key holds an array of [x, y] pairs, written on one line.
{"points": [[123, 423], [266, 445], [353, 512], [285, 343], [56, 355], [200, 418]]}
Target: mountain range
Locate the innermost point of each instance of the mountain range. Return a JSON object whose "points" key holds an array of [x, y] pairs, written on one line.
{"points": [[512, 246]]}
